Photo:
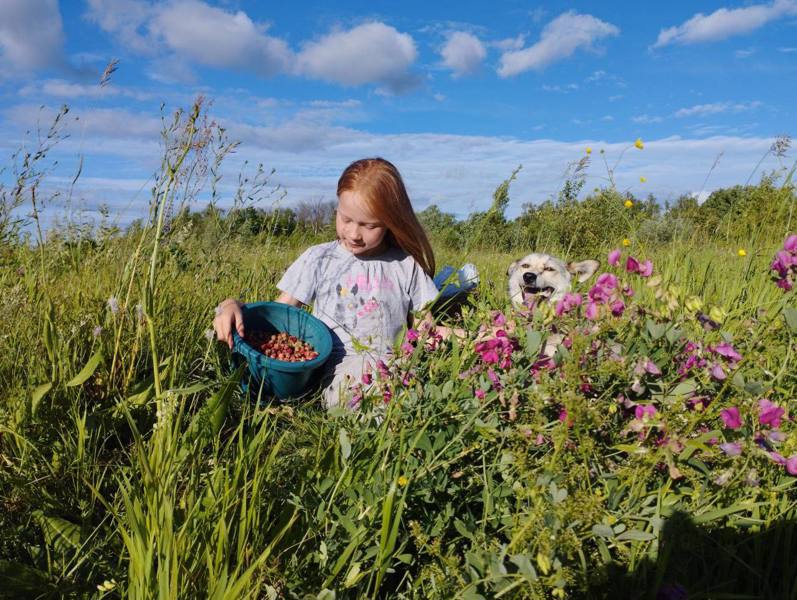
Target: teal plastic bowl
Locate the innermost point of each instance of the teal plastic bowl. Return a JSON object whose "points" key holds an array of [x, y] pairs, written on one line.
{"points": [[279, 378]]}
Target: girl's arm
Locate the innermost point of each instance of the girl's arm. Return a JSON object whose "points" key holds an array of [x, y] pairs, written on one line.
{"points": [[229, 316], [426, 321]]}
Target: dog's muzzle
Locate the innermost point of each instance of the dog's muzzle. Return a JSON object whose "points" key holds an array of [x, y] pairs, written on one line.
{"points": [[530, 287]]}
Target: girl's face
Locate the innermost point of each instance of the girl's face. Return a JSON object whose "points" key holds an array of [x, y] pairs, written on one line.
{"points": [[359, 231]]}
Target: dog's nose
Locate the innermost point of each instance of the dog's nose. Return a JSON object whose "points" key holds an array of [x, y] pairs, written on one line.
{"points": [[529, 278]]}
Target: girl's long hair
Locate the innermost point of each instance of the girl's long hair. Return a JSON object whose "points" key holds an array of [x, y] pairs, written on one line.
{"points": [[380, 185]]}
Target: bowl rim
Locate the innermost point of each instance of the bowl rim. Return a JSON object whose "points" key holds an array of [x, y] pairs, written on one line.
{"points": [[251, 354]]}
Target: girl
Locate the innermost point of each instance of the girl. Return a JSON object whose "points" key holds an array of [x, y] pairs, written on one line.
{"points": [[365, 285]]}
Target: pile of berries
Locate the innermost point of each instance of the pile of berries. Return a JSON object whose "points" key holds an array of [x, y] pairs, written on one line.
{"points": [[282, 346]]}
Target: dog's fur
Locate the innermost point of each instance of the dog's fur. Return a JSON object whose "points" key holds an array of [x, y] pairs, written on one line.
{"points": [[539, 277]]}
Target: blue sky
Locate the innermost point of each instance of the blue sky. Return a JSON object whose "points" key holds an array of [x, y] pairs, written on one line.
{"points": [[456, 94]]}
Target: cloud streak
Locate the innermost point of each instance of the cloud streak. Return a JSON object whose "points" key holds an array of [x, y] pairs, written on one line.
{"points": [[559, 39], [724, 23]]}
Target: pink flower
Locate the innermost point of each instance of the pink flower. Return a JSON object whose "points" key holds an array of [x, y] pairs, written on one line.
{"points": [[728, 351], [790, 245], [386, 396], [382, 368], [769, 413], [717, 372], [791, 462], [652, 368], [563, 415], [479, 394], [731, 418], [777, 457], [618, 307], [412, 335], [494, 378], [628, 291], [646, 269], [367, 378], [631, 265], [731, 448], [591, 311], [642, 411], [607, 281], [499, 319], [614, 257], [407, 348], [568, 303]]}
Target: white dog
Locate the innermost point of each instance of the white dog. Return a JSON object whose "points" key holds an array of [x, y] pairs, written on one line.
{"points": [[545, 277]]}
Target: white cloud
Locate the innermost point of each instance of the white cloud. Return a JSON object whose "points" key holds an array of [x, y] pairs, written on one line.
{"points": [[607, 118], [717, 107], [787, 49], [646, 119], [214, 37], [744, 52], [507, 44], [559, 39], [724, 23], [616, 97], [439, 97], [463, 53], [60, 88], [126, 19], [106, 123], [369, 53], [563, 89], [31, 36]]}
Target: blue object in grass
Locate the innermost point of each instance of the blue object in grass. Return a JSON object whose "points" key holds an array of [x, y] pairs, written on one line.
{"points": [[451, 281], [277, 378]]}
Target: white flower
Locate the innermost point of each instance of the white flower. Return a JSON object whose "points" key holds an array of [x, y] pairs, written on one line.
{"points": [[209, 334], [113, 304], [97, 331]]}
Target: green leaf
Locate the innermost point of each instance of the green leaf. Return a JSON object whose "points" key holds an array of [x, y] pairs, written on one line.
{"points": [[636, 535], [21, 581], [463, 531], [345, 444], [790, 314], [533, 342], [60, 534], [37, 395], [674, 334], [86, 371], [683, 388], [602, 530], [655, 330], [524, 566]]}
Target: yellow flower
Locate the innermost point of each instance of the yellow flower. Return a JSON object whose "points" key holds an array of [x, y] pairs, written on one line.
{"points": [[589, 150], [628, 204], [626, 242], [643, 179], [693, 303], [402, 481], [638, 143], [742, 252]]}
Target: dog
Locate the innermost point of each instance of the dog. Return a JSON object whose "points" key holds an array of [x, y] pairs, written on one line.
{"points": [[541, 277]]}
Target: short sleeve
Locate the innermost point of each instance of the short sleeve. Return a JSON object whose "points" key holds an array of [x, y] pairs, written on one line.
{"points": [[422, 289], [298, 280]]}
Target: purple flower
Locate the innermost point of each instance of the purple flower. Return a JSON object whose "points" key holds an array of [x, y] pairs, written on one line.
{"points": [[717, 372], [614, 257], [644, 410], [631, 265], [652, 368], [479, 394], [367, 378], [646, 269], [728, 351], [407, 348], [791, 462], [769, 413], [591, 311], [382, 368], [731, 448], [777, 458], [568, 303], [412, 335], [499, 319], [790, 245], [618, 307], [494, 378], [607, 281], [731, 418]]}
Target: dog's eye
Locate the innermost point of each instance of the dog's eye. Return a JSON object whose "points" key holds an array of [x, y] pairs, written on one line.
{"points": [[549, 269], [524, 266]]}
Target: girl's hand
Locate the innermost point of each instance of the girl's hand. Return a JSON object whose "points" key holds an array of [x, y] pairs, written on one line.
{"points": [[229, 316]]}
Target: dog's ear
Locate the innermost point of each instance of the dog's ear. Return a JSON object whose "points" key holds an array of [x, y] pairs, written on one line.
{"points": [[583, 269], [512, 267]]}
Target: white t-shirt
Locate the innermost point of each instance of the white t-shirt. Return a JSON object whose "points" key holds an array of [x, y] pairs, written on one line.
{"points": [[362, 299]]}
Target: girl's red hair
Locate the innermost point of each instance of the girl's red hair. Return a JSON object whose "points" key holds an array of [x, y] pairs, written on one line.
{"points": [[380, 185]]}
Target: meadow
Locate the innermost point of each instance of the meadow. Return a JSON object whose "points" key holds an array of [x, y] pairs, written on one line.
{"points": [[654, 455]]}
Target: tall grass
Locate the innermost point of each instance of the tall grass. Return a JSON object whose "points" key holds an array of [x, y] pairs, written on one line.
{"points": [[132, 466]]}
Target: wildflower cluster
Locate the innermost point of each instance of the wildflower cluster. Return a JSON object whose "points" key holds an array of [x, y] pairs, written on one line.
{"points": [[785, 264]]}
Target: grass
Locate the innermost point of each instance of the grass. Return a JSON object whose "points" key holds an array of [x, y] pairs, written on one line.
{"points": [[131, 465]]}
